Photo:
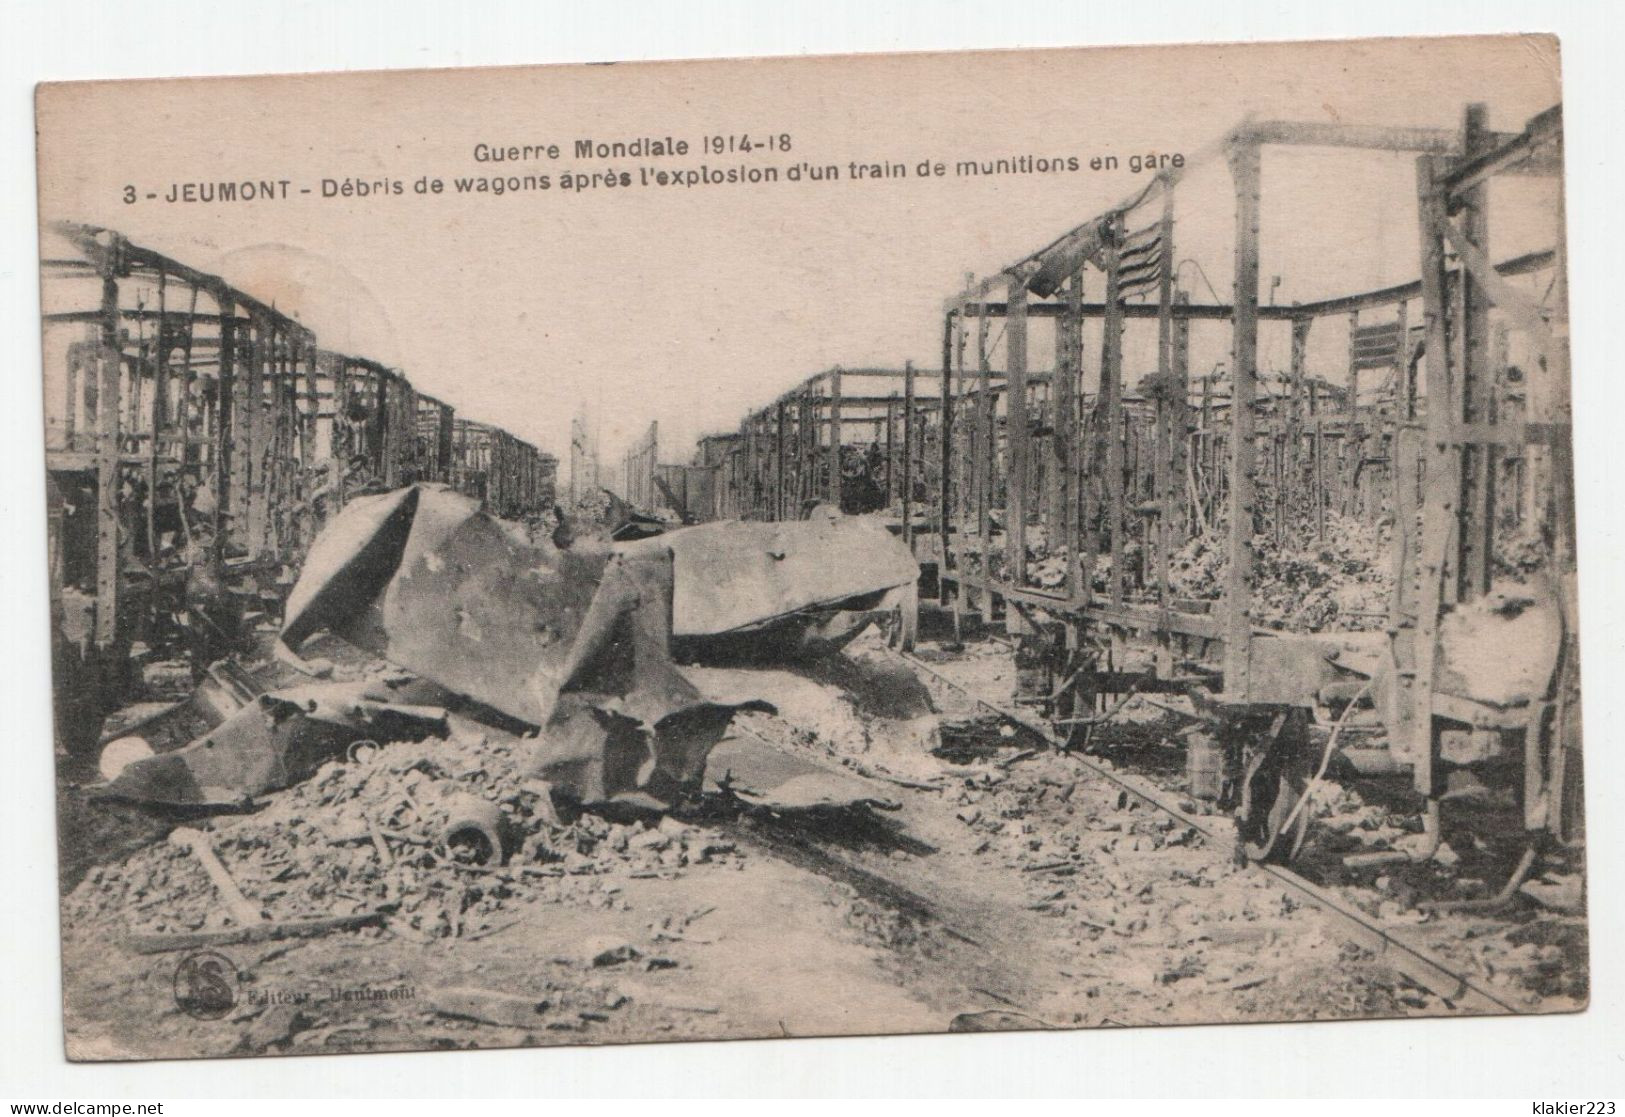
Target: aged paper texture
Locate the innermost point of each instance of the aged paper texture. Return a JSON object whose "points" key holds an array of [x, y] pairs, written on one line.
{"points": [[853, 545]]}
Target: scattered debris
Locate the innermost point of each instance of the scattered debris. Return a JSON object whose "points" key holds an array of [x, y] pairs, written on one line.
{"points": [[197, 842], [1339, 581], [263, 931], [272, 742], [472, 834], [615, 955], [310, 853]]}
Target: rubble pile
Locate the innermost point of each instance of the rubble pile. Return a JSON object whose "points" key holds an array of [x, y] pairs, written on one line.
{"points": [[1047, 564], [594, 506], [1340, 582], [1196, 570], [1537, 963], [369, 833], [1343, 812], [1520, 552], [1168, 921]]}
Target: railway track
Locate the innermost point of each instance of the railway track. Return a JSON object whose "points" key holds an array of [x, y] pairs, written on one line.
{"points": [[1461, 991]]}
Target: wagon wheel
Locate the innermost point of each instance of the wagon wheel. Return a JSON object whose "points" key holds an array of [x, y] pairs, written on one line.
{"points": [[1277, 775]]}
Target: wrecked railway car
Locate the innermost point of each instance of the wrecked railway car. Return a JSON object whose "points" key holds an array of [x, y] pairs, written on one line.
{"points": [[197, 439], [1165, 529]]}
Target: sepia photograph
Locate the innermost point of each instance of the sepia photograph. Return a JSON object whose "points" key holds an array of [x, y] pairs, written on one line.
{"points": [[981, 541]]}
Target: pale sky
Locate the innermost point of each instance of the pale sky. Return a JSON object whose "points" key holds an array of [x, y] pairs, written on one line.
{"points": [[693, 305]]}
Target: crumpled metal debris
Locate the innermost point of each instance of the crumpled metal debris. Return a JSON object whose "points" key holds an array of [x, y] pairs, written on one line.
{"points": [[272, 742], [579, 641], [573, 641]]}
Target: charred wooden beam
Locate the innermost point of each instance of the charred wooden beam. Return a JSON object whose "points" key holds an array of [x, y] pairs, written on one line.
{"points": [[1537, 150], [1111, 424], [945, 425], [1295, 133], [835, 438], [1017, 434], [1216, 312], [1245, 170], [1518, 265]]}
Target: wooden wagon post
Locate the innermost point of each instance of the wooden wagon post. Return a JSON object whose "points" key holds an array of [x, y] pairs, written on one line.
{"points": [[835, 437], [1180, 364], [1437, 565], [109, 376], [1476, 378], [1245, 170], [1295, 408], [1407, 452], [1111, 397], [908, 454], [986, 443], [781, 461], [1016, 429], [945, 443], [245, 417], [1166, 481], [1068, 372]]}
